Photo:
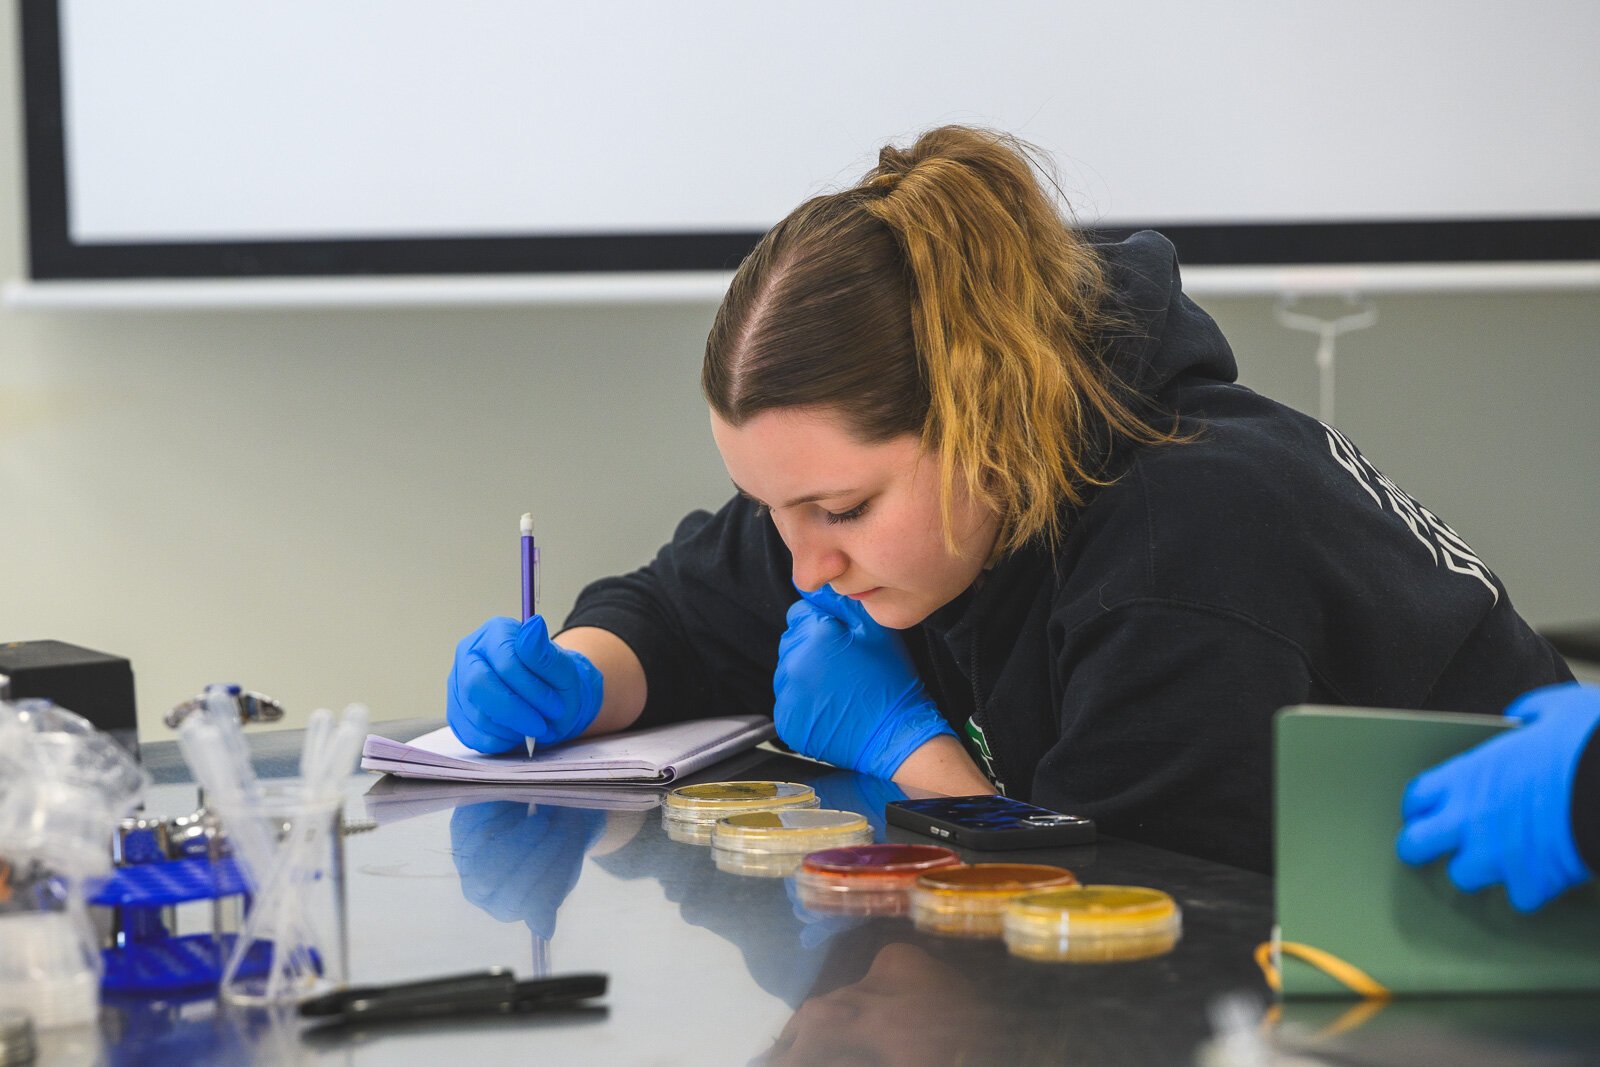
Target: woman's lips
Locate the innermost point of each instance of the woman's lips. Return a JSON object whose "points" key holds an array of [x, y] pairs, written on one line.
{"points": [[864, 593]]}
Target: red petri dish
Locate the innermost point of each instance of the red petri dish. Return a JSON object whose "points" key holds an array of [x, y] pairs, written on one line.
{"points": [[867, 879]]}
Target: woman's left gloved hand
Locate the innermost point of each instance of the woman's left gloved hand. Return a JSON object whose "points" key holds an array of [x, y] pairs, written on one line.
{"points": [[846, 691], [1505, 807]]}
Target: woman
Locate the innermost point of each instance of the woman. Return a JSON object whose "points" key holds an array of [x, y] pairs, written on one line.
{"points": [[1041, 542]]}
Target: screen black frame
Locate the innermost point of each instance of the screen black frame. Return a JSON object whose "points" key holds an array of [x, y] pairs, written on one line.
{"points": [[53, 254]]}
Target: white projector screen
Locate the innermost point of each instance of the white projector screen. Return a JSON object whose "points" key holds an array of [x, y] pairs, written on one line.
{"points": [[184, 138]]}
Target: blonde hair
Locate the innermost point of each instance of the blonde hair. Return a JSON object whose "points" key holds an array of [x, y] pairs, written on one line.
{"points": [[943, 295]]}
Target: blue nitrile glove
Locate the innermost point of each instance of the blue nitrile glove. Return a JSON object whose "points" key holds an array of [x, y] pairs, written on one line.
{"points": [[846, 690], [510, 682], [1505, 807], [518, 862]]}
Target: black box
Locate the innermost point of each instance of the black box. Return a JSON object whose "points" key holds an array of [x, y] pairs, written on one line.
{"points": [[97, 686]]}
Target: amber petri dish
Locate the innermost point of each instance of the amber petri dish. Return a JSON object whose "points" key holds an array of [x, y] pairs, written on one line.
{"points": [[773, 843], [1092, 924], [970, 901], [866, 879], [689, 812]]}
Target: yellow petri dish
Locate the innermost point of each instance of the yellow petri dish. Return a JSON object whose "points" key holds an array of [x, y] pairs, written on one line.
{"points": [[689, 812], [970, 900], [772, 844], [690, 833], [866, 879], [1092, 924]]}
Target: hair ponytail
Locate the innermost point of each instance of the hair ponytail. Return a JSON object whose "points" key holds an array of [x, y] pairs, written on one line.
{"points": [[993, 361]]}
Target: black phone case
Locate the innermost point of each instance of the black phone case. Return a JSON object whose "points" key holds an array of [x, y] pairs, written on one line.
{"points": [[989, 823]]}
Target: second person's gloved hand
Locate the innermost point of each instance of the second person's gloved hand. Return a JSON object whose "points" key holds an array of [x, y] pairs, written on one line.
{"points": [[511, 682], [1505, 807], [846, 691]]}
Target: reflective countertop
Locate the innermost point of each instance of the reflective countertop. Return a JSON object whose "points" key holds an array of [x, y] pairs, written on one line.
{"points": [[712, 967]]}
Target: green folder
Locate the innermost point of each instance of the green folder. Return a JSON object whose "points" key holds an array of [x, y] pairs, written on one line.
{"points": [[1340, 773]]}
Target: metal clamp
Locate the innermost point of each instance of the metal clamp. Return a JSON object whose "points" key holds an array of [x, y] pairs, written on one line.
{"points": [[251, 706]]}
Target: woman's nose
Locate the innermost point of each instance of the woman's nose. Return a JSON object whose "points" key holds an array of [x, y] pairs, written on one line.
{"points": [[817, 561]]}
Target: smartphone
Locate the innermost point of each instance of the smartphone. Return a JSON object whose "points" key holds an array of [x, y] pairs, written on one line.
{"points": [[990, 822]]}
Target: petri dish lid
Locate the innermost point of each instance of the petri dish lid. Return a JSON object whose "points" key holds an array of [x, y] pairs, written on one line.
{"points": [[1094, 911], [792, 830], [1001, 879], [879, 861], [711, 800]]}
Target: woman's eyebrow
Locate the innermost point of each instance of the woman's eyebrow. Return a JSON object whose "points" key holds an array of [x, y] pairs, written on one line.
{"points": [[809, 498]]}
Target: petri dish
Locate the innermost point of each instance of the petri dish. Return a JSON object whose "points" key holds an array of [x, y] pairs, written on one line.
{"points": [[867, 879], [970, 901], [1092, 924], [772, 844], [689, 811]]}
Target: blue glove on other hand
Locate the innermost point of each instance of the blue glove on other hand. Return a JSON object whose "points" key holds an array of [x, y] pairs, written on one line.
{"points": [[1505, 807], [846, 690], [511, 682]]}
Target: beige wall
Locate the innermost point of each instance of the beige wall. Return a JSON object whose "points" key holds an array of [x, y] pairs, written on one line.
{"points": [[318, 503]]}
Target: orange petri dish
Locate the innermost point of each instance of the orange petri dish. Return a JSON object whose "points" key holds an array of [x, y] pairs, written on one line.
{"points": [[867, 879], [970, 901], [1092, 924]]}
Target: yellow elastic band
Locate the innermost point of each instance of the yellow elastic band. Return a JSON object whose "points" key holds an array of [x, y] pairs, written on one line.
{"points": [[1349, 974], [1359, 1015]]}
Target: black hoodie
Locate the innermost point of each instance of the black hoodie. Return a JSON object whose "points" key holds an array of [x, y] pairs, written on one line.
{"points": [[1131, 674]]}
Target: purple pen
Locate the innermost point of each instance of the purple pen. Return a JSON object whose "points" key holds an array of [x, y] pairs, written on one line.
{"points": [[530, 569]]}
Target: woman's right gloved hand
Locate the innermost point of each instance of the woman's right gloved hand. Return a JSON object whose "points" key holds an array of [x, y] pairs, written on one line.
{"points": [[511, 682]]}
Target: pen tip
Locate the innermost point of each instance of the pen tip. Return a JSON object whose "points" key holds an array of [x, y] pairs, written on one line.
{"points": [[527, 524]]}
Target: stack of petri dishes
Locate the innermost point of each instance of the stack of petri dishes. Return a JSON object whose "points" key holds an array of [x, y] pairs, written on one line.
{"points": [[970, 901], [772, 844], [867, 879], [689, 812], [1092, 924]]}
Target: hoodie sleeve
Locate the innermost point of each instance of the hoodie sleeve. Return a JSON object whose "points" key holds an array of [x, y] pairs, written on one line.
{"points": [[1165, 728], [704, 617]]}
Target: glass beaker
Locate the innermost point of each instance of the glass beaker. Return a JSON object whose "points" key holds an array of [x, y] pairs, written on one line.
{"points": [[293, 942]]}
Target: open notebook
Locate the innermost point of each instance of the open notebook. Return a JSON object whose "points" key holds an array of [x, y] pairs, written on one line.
{"points": [[393, 799], [652, 756]]}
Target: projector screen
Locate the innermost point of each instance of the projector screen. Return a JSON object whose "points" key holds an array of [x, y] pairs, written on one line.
{"points": [[213, 138]]}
